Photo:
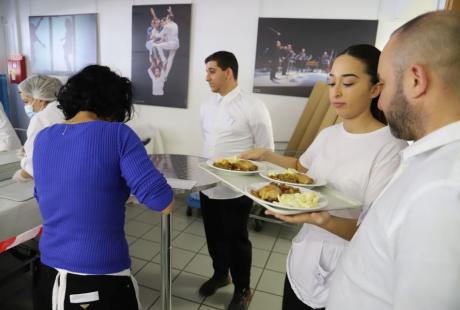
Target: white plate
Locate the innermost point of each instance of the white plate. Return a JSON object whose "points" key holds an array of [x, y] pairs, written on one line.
{"points": [[260, 167], [284, 209], [265, 175]]}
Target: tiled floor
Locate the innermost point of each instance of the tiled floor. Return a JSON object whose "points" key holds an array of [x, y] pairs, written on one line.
{"points": [[190, 262]]}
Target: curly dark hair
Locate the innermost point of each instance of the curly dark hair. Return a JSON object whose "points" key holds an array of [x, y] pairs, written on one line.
{"points": [[99, 90]]}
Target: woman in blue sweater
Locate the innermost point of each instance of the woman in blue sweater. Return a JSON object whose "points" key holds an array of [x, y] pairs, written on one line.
{"points": [[84, 171]]}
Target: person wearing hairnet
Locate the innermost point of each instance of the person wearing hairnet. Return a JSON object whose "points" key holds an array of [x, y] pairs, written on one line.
{"points": [[39, 94], [8, 138]]}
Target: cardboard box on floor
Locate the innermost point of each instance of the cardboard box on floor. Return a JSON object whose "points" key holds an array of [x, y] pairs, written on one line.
{"points": [[318, 114]]}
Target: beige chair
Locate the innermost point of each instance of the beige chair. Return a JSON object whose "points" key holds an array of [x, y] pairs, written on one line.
{"points": [[317, 115]]}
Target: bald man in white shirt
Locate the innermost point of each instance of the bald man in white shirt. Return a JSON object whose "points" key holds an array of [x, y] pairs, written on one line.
{"points": [[232, 122], [406, 253]]}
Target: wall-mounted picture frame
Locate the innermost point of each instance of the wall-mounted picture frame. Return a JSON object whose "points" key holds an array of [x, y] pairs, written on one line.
{"points": [[62, 44], [160, 54], [292, 54]]}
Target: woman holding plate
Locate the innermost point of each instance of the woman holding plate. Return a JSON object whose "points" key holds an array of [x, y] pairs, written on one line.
{"points": [[357, 157]]}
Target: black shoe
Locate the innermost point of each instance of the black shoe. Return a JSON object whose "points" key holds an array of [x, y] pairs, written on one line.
{"points": [[209, 287], [240, 300]]}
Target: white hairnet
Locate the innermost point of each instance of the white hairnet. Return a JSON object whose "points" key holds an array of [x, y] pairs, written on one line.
{"points": [[41, 87]]}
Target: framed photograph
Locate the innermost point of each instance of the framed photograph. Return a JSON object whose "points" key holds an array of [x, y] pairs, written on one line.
{"points": [[160, 54], [292, 54], [64, 44]]}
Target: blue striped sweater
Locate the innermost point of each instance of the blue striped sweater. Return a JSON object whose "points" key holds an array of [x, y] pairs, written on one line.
{"points": [[84, 174]]}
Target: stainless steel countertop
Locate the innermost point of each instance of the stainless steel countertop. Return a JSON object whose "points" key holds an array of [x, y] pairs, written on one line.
{"points": [[184, 167]]}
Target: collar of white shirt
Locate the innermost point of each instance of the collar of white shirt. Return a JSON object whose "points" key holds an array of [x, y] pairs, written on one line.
{"points": [[436, 139], [230, 96]]}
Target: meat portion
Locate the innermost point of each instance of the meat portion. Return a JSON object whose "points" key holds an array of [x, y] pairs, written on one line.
{"points": [[272, 191], [235, 165], [292, 177]]}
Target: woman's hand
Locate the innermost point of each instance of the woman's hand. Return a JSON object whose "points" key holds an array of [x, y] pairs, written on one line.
{"points": [[255, 154], [316, 218], [169, 208], [22, 176]]}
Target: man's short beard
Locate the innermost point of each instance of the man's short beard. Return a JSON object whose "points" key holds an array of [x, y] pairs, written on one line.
{"points": [[401, 118]]}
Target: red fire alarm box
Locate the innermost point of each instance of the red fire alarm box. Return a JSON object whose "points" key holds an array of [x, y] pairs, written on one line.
{"points": [[16, 68]]}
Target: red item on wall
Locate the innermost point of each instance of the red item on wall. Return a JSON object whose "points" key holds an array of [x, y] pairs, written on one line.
{"points": [[16, 68]]}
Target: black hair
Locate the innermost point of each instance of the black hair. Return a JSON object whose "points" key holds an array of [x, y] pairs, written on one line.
{"points": [[99, 90], [224, 60], [369, 56]]}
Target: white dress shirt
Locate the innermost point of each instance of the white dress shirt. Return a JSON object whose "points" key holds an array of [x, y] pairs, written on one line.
{"points": [[406, 253], [358, 165], [50, 115], [231, 125], [8, 138]]}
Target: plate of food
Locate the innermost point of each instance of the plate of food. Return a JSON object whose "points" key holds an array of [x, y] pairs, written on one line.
{"points": [[286, 199], [291, 177], [235, 165]]}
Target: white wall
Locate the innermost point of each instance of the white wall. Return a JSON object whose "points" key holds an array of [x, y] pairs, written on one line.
{"points": [[216, 25]]}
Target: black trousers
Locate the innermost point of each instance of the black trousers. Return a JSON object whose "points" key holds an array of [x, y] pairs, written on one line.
{"points": [[290, 300], [115, 292], [226, 228]]}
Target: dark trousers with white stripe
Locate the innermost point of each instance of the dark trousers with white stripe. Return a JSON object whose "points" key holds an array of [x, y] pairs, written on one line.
{"points": [[114, 292]]}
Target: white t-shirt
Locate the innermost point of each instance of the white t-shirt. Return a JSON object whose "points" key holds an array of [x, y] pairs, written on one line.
{"points": [[50, 115], [8, 138], [359, 165], [231, 125], [406, 253]]}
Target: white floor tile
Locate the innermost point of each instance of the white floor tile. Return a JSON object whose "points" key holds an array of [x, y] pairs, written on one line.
{"points": [[221, 298], [177, 304], [277, 262], [271, 282], [282, 246], [265, 301], [289, 232], [189, 242], [204, 307], [144, 249], [186, 286], [147, 296], [270, 229], [133, 210], [180, 223], [261, 241], [204, 249], [137, 264], [196, 228], [202, 265], [149, 217], [137, 229], [150, 276], [179, 258], [155, 234], [255, 276], [130, 239], [259, 257]]}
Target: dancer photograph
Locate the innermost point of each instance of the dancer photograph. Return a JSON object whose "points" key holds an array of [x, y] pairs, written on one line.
{"points": [[160, 54]]}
